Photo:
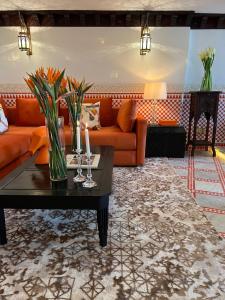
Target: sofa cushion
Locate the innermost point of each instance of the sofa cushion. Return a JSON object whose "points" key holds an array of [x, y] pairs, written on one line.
{"points": [[28, 112], [12, 147], [126, 115], [106, 111], [11, 114], [112, 136], [63, 112], [20, 130]]}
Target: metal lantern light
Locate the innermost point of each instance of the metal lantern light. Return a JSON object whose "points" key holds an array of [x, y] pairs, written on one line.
{"points": [[24, 38], [145, 40]]}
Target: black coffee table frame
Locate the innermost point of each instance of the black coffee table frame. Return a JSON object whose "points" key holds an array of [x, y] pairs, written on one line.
{"points": [[29, 187]]}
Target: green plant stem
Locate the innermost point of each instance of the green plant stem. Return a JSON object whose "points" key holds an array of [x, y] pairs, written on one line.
{"points": [[57, 153], [207, 78]]}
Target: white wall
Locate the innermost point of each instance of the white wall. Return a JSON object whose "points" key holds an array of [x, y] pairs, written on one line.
{"points": [[101, 55], [110, 56], [199, 40]]}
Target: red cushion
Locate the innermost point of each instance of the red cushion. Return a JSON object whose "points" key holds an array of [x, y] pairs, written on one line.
{"points": [[11, 114], [11, 147], [112, 136], [126, 115], [28, 112], [167, 122], [63, 112]]}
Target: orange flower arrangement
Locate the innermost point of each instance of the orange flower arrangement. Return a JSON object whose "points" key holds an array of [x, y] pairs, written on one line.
{"points": [[74, 99], [47, 87]]}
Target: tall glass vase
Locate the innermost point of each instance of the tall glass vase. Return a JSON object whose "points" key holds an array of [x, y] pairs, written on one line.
{"points": [[207, 80], [73, 125], [57, 158]]}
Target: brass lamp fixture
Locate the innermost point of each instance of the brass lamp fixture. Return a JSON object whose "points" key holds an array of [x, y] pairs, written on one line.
{"points": [[24, 37], [145, 40]]}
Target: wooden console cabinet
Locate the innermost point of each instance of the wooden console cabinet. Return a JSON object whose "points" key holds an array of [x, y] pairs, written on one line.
{"points": [[205, 103]]}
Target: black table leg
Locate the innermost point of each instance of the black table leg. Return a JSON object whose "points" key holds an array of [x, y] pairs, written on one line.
{"points": [[102, 218], [3, 239]]}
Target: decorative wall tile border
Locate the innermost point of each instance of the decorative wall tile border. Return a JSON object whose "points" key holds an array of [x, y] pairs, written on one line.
{"points": [[175, 107]]}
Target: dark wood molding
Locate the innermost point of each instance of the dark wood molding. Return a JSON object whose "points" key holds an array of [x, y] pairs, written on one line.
{"points": [[83, 18]]}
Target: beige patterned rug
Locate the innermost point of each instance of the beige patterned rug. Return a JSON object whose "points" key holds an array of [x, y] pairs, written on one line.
{"points": [[160, 246]]}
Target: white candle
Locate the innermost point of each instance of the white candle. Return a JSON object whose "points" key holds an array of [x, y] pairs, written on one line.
{"points": [[88, 151], [78, 136]]}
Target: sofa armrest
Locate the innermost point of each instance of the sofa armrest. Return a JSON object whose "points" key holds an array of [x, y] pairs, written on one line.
{"points": [[141, 131]]}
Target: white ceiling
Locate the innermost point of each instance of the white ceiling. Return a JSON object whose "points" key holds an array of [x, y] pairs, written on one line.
{"points": [[213, 6]]}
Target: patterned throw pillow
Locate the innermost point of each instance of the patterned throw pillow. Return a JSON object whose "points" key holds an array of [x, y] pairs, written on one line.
{"points": [[3, 121], [90, 115]]}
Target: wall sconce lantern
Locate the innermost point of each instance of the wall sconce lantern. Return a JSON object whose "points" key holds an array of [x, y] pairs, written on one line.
{"points": [[24, 38], [145, 40]]}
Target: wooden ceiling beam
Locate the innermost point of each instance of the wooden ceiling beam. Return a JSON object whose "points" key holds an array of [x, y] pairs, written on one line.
{"points": [[133, 18], [220, 22], [204, 21], [128, 20], [33, 20], [6, 20], [47, 20], [158, 22], [173, 20]]}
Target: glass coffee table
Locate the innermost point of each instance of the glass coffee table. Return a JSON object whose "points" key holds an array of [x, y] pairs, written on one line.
{"points": [[29, 187]]}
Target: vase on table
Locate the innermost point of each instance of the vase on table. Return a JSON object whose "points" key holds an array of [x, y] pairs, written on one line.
{"points": [[47, 87], [57, 157], [207, 81], [74, 99], [207, 58]]}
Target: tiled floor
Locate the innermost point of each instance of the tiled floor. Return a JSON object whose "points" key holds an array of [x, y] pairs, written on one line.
{"points": [[205, 178]]}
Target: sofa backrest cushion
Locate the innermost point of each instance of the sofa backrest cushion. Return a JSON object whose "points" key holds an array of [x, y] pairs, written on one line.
{"points": [[63, 112], [28, 112], [106, 111], [10, 112], [127, 115], [11, 115]]}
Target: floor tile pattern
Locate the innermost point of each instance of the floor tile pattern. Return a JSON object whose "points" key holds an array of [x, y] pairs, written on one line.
{"points": [[204, 176], [160, 246]]}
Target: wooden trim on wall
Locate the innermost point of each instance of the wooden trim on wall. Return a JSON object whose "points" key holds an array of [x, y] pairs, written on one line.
{"points": [[92, 18]]}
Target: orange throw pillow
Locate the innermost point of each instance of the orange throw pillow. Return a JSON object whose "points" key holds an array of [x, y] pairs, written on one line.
{"points": [[39, 141], [126, 115], [165, 122], [28, 112]]}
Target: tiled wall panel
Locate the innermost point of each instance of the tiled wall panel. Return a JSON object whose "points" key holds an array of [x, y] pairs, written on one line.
{"points": [[175, 107]]}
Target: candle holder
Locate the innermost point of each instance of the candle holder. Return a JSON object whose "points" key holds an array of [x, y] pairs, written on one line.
{"points": [[86, 156], [89, 183], [80, 177]]}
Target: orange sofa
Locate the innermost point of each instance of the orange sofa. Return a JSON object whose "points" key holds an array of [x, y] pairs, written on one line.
{"points": [[129, 147]]}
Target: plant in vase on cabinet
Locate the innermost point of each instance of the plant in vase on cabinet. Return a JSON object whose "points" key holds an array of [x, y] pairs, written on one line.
{"points": [[47, 87], [74, 99], [207, 57]]}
